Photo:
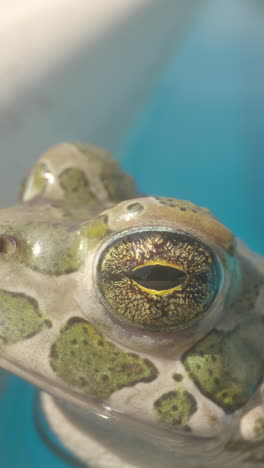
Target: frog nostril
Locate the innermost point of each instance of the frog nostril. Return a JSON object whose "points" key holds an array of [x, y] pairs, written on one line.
{"points": [[7, 245]]}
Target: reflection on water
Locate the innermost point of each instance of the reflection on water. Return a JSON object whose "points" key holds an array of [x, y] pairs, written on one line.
{"points": [[199, 138]]}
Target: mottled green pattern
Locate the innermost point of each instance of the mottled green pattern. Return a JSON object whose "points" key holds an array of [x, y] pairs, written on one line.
{"points": [[20, 317], [49, 248], [75, 185], [84, 359], [176, 407], [227, 368], [96, 228]]}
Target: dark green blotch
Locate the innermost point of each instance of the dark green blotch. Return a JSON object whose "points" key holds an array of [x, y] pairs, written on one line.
{"points": [[97, 366], [61, 248], [177, 377], [228, 367], [135, 207], [20, 317], [96, 228], [75, 185], [175, 408], [165, 201]]}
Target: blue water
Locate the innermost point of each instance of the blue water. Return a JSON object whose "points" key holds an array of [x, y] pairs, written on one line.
{"points": [[199, 137], [201, 134], [21, 446]]}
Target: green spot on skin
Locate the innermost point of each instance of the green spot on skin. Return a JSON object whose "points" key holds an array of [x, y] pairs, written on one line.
{"points": [[96, 228], [135, 207], [85, 360], [35, 183], [20, 317], [75, 185], [165, 201], [53, 249], [177, 377], [227, 368], [175, 408]]}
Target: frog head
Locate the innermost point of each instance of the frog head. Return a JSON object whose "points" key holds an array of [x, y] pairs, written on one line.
{"points": [[148, 306]]}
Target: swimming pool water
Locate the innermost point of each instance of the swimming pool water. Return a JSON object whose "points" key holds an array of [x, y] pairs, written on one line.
{"points": [[199, 137]]}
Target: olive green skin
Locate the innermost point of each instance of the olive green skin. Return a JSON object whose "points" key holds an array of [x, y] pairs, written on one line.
{"points": [[201, 379]]}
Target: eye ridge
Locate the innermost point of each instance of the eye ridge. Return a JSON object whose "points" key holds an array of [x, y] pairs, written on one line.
{"points": [[157, 277]]}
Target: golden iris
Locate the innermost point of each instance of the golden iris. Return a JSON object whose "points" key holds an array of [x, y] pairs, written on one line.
{"points": [[160, 280]]}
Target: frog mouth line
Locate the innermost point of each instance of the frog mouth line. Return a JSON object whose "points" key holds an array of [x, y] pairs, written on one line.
{"points": [[88, 404], [47, 436], [83, 403]]}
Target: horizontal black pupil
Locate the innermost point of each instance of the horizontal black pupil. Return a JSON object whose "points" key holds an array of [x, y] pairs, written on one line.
{"points": [[158, 277]]}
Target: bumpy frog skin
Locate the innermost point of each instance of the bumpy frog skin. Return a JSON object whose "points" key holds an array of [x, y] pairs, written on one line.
{"points": [[141, 316]]}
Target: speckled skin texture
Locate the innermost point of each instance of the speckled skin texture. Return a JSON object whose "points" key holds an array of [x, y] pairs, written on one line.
{"points": [[142, 315]]}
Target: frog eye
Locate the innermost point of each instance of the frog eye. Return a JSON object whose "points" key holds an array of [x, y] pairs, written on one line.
{"points": [[157, 279], [7, 245]]}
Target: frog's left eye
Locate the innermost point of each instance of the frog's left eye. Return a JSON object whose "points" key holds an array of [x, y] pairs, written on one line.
{"points": [[159, 280]]}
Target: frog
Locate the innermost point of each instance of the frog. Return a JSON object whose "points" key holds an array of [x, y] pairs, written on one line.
{"points": [[138, 318]]}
